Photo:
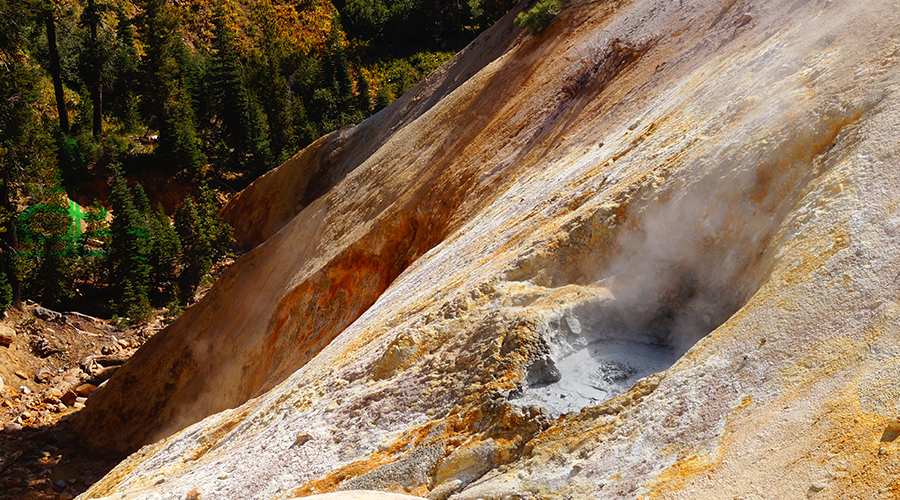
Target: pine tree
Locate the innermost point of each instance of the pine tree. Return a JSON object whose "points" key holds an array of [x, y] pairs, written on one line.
{"points": [[218, 232], [164, 89], [196, 260], [127, 261], [338, 69], [121, 98], [6, 295], [164, 252], [242, 118], [95, 58], [52, 282], [25, 145], [363, 92], [141, 201], [205, 239], [269, 81], [383, 97], [50, 26]]}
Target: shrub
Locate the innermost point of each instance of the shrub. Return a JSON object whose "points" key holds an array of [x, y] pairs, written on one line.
{"points": [[538, 17]]}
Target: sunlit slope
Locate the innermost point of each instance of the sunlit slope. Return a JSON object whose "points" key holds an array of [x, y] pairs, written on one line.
{"points": [[715, 183]]}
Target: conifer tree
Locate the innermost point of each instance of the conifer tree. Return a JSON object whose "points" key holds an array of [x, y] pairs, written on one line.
{"points": [[205, 239], [363, 92], [165, 249], [50, 26], [268, 80], [6, 295], [242, 118], [52, 282], [122, 96], [339, 69], [164, 89], [25, 146], [196, 260], [129, 271], [95, 59], [218, 232]]}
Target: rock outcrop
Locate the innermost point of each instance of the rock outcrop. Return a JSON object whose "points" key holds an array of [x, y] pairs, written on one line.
{"points": [[651, 252]]}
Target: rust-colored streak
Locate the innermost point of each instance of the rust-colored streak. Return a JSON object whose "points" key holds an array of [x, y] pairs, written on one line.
{"points": [[315, 312]]}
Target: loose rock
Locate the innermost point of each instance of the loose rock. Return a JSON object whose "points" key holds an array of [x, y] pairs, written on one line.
{"points": [[85, 390], [69, 398], [43, 375], [7, 335]]}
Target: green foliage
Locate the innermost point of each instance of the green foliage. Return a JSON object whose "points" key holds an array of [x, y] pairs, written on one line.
{"points": [[6, 295], [178, 141], [46, 253], [363, 92], [196, 251], [243, 122], [172, 97], [538, 17], [163, 253], [204, 238], [168, 73], [127, 260], [121, 95]]}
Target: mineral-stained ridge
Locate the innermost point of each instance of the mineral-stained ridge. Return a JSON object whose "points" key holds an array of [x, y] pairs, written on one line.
{"points": [[651, 252]]}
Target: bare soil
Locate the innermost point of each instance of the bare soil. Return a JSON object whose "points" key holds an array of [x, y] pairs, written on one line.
{"points": [[54, 362]]}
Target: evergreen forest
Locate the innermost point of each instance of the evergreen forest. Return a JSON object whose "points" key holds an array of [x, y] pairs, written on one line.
{"points": [[125, 124]]}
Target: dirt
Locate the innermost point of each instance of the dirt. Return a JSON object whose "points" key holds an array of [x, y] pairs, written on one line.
{"points": [[53, 364]]}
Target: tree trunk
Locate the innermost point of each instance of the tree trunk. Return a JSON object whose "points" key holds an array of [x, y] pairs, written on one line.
{"points": [[96, 94], [97, 98], [55, 73]]}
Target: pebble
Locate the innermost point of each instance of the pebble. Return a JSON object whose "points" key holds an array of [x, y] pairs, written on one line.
{"points": [[65, 496], [7, 335], [68, 398], [24, 390], [85, 389], [22, 375], [43, 375], [817, 486], [12, 427], [194, 494]]}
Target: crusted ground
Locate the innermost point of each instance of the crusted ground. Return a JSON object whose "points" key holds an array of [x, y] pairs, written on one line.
{"points": [[714, 179]]}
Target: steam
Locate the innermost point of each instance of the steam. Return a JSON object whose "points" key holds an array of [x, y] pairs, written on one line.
{"points": [[678, 274]]}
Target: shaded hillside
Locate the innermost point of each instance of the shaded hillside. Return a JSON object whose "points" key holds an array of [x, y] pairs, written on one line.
{"points": [[648, 252]]}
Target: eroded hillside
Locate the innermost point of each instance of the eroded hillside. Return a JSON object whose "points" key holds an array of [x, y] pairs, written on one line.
{"points": [[650, 252]]}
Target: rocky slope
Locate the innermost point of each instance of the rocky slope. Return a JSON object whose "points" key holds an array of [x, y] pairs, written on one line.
{"points": [[651, 252]]}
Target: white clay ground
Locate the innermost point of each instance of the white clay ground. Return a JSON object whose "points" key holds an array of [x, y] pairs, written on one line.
{"points": [[596, 373]]}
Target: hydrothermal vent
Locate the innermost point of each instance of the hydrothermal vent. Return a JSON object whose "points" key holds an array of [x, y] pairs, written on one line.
{"points": [[599, 347]]}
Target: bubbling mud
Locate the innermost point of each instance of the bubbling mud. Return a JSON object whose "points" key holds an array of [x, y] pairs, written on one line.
{"points": [[596, 373]]}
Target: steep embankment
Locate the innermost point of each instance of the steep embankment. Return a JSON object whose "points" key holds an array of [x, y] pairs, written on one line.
{"points": [[499, 262]]}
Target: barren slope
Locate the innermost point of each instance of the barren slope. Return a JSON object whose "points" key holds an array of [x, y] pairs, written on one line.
{"points": [[498, 264]]}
